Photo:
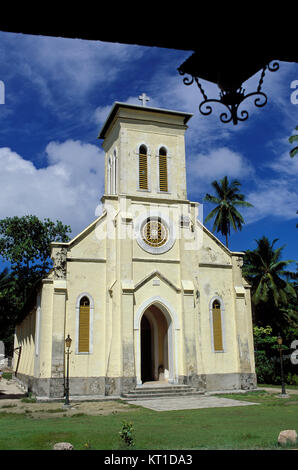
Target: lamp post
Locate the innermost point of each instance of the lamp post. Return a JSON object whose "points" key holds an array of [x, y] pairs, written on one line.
{"points": [[68, 341], [283, 387]]}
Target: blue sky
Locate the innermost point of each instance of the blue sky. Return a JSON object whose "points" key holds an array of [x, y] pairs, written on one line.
{"points": [[58, 93]]}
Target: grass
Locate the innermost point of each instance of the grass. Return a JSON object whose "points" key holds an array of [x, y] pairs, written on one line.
{"points": [[251, 427], [289, 387], [7, 375]]}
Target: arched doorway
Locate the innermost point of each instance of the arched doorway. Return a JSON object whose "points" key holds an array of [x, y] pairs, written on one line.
{"points": [[155, 327]]}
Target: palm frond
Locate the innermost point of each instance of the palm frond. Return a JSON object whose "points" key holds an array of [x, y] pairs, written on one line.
{"points": [[210, 198], [293, 152], [211, 215]]}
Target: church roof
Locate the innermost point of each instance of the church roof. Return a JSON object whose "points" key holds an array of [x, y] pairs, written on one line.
{"points": [[118, 105]]}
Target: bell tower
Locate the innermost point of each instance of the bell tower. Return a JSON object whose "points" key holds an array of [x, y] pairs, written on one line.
{"points": [[145, 151]]}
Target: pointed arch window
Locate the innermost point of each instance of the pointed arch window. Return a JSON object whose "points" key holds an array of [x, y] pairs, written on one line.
{"points": [[84, 325], [115, 169], [217, 326], [112, 174], [143, 167], [163, 170], [109, 175]]}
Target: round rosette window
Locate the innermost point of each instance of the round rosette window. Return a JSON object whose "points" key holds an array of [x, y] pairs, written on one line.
{"points": [[154, 232], [154, 235]]}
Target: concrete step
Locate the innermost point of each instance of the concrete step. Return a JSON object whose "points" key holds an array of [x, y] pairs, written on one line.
{"points": [[151, 392], [168, 388]]}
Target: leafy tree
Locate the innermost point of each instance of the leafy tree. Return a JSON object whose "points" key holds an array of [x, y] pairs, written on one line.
{"points": [[272, 293], [5, 280], [225, 213], [290, 311], [267, 356], [25, 243], [9, 306], [292, 139], [265, 352]]}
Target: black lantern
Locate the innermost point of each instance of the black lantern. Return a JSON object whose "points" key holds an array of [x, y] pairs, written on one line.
{"points": [[68, 341], [212, 68]]}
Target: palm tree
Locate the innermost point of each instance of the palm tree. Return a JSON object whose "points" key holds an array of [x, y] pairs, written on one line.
{"points": [[265, 272], [5, 279], [294, 138], [225, 213]]}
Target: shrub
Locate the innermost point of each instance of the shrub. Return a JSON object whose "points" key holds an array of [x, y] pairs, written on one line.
{"points": [[267, 358], [126, 434], [264, 367], [292, 379]]}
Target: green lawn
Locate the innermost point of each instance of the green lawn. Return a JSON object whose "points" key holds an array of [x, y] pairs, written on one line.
{"points": [[251, 427], [288, 387]]}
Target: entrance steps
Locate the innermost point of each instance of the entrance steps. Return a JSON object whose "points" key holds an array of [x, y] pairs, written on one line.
{"points": [[151, 390]]}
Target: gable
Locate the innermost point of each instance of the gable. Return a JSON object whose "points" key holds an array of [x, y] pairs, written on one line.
{"points": [[212, 250], [90, 243], [156, 277]]}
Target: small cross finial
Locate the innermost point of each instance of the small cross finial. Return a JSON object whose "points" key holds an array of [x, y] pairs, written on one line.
{"points": [[143, 97]]}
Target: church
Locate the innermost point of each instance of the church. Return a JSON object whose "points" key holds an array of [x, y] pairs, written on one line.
{"points": [[146, 292]]}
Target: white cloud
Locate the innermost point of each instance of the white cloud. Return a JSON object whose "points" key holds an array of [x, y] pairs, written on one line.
{"points": [[64, 70], [277, 195], [273, 199], [68, 189], [204, 168], [286, 165], [101, 112]]}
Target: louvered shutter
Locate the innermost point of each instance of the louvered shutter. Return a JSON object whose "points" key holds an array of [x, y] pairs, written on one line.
{"points": [[163, 173], [84, 324], [143, 172], [217, 330]]}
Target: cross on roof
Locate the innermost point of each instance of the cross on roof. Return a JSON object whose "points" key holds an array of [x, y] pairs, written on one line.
{"points": [[143, 97]]}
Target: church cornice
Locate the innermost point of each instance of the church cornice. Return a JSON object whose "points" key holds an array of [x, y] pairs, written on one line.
{"points": [[87, 260], [215, 265], [157, 260], [117, 105], [144, 198]]}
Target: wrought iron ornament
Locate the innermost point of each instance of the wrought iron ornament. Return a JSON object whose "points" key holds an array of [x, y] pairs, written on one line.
{"points": [[232, 98]]}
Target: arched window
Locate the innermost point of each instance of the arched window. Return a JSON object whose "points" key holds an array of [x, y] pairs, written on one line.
{"points": [[84, 325], [163, 170], [217, 326], [143, 167], [114, 173], [109, 175]]}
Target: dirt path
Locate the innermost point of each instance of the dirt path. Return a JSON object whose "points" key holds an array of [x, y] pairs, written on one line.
{"points": [[12, 401], [278, 390]]}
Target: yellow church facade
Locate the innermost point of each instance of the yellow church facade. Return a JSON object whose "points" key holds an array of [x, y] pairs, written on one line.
{"points": [[146, 292]]}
